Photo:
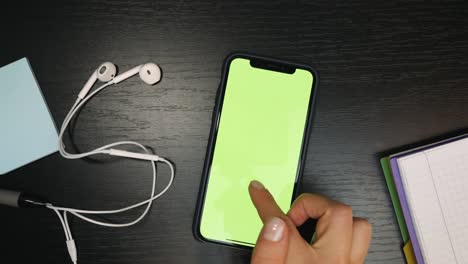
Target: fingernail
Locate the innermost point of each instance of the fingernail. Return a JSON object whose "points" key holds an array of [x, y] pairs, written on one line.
{"points": [[257, 185], [274, 229]]}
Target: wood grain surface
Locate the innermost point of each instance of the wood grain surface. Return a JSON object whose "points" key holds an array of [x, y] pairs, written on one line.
{"points": [[391, 73]]}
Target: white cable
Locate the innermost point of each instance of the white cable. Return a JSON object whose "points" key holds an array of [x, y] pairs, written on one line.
{"points": [[65, 218], [76, 106], [65, 226], [80, 213], [71, 246]]}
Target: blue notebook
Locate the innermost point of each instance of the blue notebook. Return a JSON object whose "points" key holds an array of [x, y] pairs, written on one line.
{"points": [[27, 129]]}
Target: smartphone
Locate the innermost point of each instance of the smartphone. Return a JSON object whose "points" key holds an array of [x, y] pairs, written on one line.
{"points": [[259, 130]]}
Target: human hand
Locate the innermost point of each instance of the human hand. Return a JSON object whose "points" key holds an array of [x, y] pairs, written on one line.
{"points": [[339, 238]]}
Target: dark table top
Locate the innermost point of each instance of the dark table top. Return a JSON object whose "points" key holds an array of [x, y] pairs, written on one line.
{"points": [[390, 74]]}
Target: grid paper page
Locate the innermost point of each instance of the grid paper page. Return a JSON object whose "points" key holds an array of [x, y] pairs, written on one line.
{"points": [[436, 185]]}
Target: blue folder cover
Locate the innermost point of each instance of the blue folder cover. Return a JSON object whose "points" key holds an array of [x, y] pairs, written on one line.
{"points": [[27, 130]]}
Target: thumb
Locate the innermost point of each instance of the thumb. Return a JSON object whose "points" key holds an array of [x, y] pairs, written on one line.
{"points": [[272, 243]]}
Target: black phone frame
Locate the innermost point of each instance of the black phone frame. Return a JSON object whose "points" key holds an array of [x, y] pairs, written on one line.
{"points": [[270, 64]]}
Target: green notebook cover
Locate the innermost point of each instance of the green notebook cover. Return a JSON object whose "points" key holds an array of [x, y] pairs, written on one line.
{"points": [[385, 162]]}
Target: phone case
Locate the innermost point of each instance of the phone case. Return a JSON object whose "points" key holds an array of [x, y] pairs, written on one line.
{"points": [[213, 132]]}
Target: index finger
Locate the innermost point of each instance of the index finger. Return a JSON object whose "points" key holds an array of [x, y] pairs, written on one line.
{"points": [[267, 208], [264, 202]]}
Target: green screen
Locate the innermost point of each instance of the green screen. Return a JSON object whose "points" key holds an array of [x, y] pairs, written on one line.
{"points": [[259, 137]]}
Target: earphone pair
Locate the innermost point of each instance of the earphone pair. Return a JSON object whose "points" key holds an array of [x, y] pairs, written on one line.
{"points": [[150, 73]]}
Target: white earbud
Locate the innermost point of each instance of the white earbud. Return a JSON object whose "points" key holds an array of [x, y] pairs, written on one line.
{"points": [[150, 73], [104, 73]]}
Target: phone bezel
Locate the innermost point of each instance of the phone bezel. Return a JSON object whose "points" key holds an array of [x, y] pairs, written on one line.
{"points": [[215, 125]]}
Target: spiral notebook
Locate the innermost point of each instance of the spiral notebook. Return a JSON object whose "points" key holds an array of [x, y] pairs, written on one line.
{"points": [[432, 185]]}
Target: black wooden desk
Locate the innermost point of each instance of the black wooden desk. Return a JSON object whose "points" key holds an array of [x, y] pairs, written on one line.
{"points": [[390, 74]]}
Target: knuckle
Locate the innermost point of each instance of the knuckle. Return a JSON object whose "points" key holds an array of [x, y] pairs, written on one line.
{"points": [[365, 226], [303, 196], [344, 210]]}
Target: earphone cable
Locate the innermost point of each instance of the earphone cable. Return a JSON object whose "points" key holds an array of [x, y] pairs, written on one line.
{"points": [[80, 213]]}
